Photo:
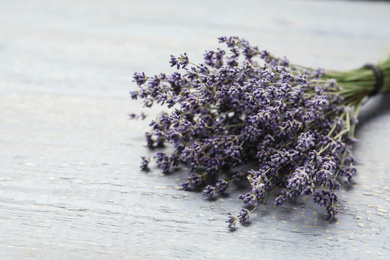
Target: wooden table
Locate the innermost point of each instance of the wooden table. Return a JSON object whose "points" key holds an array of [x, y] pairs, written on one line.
{"points": [[70, 184]]}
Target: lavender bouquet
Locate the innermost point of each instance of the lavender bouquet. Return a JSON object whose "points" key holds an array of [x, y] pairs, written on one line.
{"points": [[247, 116]]}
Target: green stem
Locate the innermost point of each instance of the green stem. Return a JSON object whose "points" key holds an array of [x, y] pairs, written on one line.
{"points": [[359, 83]]}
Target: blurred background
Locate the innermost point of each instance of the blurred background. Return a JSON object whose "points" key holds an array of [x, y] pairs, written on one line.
{"points": [[46, 42]]}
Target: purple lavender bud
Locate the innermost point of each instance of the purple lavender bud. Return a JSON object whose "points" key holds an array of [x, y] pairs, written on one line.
{"points": [[305, 141], [243, 216], [186, 185], [185, 106], [174, 61], [331, 212], [264, 54], [309, 189], [232, 220], [318, 73], [222, 39], [348, 172], [174, 159], [208, 58], [144, 163], [222, 185], [134, 94], [279, 200], [284, 62], [183, 60], [325, 197], [143, 115], [139, 78], [232, 41], [160, 137], [163, 161], [209, 191], [149, 140], [247, 198], [196, 179]]}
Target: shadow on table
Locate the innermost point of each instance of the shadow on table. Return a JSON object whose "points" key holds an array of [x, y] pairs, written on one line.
{"points": [[376, 106]]}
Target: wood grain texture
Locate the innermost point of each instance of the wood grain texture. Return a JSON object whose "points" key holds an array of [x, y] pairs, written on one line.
{"points": [[70, 184]]}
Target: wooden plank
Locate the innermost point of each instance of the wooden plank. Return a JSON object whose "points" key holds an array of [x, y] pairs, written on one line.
{"points": [[70, 184]]}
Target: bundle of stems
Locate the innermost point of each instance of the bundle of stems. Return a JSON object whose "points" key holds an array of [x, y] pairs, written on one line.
{"points": [[361, 83]]}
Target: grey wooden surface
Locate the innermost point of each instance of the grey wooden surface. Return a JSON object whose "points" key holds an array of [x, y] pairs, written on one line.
{"points": [[70, 184]]}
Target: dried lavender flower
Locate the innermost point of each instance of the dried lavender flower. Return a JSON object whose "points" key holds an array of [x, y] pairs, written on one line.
{"points": [[144, 163], [297, 123]]}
